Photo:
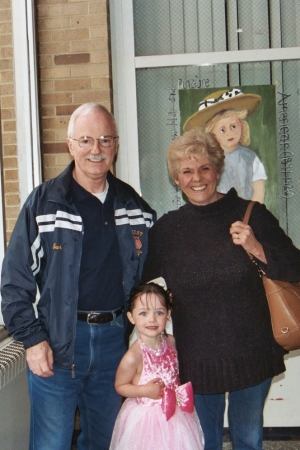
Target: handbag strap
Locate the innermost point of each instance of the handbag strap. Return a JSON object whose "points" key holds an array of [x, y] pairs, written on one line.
{"points": [[261, 272], [248, 212]]}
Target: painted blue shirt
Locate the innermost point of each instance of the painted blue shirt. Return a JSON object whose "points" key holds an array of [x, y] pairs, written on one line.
{"points": [[242, 167]]}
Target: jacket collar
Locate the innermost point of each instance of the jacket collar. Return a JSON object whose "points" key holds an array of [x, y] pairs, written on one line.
{"points": [[60, 187], [120, 187]]}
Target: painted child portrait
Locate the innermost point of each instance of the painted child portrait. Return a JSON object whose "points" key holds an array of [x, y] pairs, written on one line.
{"points": [[223, 113]]}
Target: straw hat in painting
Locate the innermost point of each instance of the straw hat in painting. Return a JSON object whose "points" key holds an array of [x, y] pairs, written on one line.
{"points": [[220, 101]]}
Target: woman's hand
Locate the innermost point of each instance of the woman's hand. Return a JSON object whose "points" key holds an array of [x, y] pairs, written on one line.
{"points": [[242, 234]]}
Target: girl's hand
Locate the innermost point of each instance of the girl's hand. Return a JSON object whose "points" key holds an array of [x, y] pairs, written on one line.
{"points": [[243, 235], [154, 389]]}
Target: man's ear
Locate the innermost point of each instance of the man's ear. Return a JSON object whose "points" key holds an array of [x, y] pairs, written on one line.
{"points": [[69, 144], [117, 147], [129, 315], [169, 314]]}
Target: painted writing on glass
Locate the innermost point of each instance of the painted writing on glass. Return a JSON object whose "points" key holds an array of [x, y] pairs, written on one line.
{"points": [[285, 154], [172, 122], [193, 83]]}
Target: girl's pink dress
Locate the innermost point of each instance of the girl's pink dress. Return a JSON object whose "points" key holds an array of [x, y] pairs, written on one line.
{"points": [[142, 424]]}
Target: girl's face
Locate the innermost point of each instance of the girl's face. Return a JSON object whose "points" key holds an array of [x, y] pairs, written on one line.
{"points": [[149, 315], [228, 132]]}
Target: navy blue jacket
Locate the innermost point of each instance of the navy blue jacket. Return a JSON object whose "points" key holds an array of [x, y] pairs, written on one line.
{"points": [[45, 252]]}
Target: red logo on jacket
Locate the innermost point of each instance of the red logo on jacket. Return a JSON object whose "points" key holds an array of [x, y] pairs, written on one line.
{"points": [[137, 241]]}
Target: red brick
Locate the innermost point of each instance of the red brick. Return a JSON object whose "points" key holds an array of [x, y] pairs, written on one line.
{"points": [[72, 85], [66, 110], [79, 58], [58, 147]]}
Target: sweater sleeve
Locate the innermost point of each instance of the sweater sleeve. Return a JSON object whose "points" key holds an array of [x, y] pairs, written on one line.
{"points": [[18, 283], [283, 258]]}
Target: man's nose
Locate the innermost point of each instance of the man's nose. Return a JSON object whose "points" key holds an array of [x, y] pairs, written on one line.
{"points": [[96, 146]]}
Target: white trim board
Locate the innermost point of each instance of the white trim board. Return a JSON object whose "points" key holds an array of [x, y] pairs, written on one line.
{"points": [[229, 57]]}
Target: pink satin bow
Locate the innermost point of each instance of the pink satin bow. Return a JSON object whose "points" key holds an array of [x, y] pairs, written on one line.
{"points": [[182, 396]]}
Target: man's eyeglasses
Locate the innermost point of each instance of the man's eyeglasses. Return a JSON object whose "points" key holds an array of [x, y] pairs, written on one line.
{"points": [[87, 142]]}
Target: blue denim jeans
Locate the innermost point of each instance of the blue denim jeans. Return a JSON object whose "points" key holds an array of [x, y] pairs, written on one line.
{"points": [[98, 351], [245, 417]]}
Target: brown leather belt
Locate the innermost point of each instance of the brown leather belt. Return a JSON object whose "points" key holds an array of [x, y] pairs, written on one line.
{"points": [[96, 318]]}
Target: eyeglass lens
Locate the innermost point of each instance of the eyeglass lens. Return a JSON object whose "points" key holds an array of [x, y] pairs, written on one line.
{"points": [[88, 142]]}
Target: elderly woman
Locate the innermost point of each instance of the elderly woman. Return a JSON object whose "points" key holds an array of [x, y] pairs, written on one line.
{"points": [[221, 318]]}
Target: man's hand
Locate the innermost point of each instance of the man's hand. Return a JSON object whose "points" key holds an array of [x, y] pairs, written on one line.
{"points": [[40, 359]]}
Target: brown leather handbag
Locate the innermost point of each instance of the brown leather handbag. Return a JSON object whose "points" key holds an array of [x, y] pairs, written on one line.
{"points": [[284, 304]]}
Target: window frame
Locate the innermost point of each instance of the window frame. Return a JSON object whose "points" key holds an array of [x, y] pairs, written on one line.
{"points": [[26, 97], [27, 110]]}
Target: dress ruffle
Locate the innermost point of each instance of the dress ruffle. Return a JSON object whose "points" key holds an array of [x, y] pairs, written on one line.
{"points": [[145, 427]]}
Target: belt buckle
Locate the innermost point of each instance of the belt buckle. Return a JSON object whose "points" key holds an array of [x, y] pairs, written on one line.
{"points": [[92, 314]]}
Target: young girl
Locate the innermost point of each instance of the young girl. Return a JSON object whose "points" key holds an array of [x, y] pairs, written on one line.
{"points": [[223, 113], [243, 169], [158, 413]]}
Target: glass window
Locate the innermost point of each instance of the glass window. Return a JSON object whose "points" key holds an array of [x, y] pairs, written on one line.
{"points": [[164, 27]]}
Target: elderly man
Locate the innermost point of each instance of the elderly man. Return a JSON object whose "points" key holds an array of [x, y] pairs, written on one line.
{"points": [[81, 238]]}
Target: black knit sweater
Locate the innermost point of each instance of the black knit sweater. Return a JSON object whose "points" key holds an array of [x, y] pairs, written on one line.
{"points": [[221, 318]]}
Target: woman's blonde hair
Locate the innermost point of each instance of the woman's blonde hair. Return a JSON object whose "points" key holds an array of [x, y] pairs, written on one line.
{"points": [[194, 144], [241, 114]]}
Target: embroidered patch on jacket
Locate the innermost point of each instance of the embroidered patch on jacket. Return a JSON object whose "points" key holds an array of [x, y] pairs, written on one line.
{"points": [[56, 246], [138, 243]]}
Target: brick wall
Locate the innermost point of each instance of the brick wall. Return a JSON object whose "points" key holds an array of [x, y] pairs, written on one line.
{"points": [[73, 68], [8, 136]]}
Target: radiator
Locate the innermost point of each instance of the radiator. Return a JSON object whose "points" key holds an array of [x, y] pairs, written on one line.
{"points": [[14, 401]]}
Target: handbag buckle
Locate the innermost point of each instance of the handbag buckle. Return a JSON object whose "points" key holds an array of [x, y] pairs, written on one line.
{"points": [[285, 330]]}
